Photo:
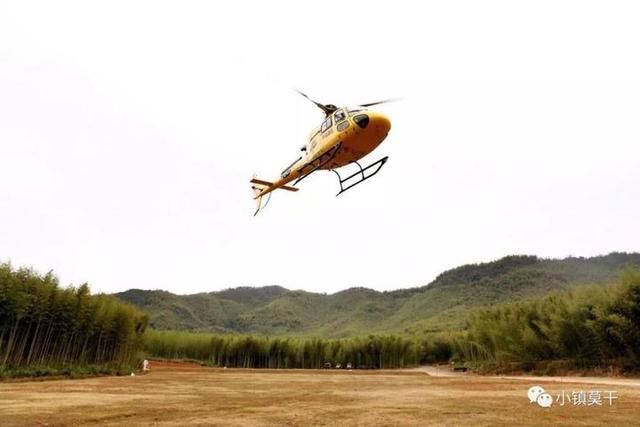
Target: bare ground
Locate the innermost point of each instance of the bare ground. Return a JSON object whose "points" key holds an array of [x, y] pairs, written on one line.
{"points": [[438, 371], [181, 394]]}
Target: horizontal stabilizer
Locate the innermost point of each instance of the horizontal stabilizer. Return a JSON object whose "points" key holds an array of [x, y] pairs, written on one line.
{"points": [[269, 184]]}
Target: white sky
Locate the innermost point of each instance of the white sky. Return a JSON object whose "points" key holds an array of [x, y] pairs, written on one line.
{"points": [[129, 131]]}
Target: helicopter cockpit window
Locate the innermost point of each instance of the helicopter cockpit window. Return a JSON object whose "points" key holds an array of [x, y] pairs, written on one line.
{"points": [[326, 124], [340, 116]]}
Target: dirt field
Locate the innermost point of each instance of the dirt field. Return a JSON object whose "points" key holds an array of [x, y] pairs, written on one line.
{"points": [[174, 394]]}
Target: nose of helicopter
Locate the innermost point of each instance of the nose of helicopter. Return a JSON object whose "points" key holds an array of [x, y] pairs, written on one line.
{"points": [[378, 121], [381, 121]]}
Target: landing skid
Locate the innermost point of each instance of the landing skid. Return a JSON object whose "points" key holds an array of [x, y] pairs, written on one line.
{"points": [[361, 174]]}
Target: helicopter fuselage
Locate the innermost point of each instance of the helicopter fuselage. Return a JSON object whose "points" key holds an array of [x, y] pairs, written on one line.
{"points": [[345, 135]]}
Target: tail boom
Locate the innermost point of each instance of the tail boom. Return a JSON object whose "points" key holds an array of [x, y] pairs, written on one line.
{"points": [[263, 188], [267, 187]]}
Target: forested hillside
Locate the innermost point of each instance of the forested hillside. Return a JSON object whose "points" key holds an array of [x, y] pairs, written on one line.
{"points": [[440, 305], [582, 312], [590, 327]]}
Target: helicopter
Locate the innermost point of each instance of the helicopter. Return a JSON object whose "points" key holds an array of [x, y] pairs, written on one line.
{"points": [[345, 136]]}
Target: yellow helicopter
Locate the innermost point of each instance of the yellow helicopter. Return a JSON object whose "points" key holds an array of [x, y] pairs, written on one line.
{"points": [[344, 137]]}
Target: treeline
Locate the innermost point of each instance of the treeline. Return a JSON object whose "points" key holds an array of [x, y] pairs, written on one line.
{"points": [[590, 326], [469, 273], [49, 328], [585, 327], [263, 352], [43, 325]]}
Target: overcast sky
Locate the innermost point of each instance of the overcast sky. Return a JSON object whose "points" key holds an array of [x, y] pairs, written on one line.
{"points": [[129, 131]]}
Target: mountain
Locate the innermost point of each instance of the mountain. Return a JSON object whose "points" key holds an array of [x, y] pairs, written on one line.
{"points": [[441, 305]]}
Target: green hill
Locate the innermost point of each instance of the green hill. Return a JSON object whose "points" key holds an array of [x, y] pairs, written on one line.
{"points": [[441, 305]]}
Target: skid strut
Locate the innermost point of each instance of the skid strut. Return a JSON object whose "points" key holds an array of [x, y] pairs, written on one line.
{"points": [[360, 174]]}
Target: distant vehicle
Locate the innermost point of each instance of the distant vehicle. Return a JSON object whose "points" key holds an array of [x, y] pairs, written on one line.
{"points": [[344, 137], [349, 366], [327, 365], [338, 366]]}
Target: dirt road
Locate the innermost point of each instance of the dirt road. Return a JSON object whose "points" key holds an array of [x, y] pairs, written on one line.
{"points": [[175, 394], [444, 372]]}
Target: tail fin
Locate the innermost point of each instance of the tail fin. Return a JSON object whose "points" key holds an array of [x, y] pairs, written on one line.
{"points": [[257, 190], [263, 188]]}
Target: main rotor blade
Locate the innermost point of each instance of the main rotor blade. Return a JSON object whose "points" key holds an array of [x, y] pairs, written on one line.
{"points": [[326, 110], [384, 101]]}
